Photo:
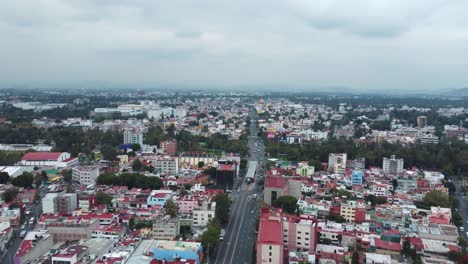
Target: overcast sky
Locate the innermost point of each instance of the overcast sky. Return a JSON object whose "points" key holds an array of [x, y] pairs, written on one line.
{"points": [[361, 44]]}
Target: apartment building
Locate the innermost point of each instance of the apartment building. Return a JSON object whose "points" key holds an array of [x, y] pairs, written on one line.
{"points": [[68, 231], [392, 165], [166, 165], [169, 147], [337, 162], [166, 228], [85, 175], [279, 233], [133, 137], [203, 214], [59, 203]]}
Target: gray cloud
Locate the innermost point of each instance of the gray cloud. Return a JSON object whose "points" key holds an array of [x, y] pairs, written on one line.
{"points": [[418, 44]]}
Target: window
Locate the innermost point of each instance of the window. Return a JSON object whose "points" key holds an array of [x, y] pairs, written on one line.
{"points": [[299, 238], [270, 247], [299, 232], [269, 260], [306, 238], [299, 243], [307, 233], [270, 254]]}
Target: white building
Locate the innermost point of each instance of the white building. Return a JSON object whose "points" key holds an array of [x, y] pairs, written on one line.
{"points": [[133, 137], [337, 162], [166, 165], [59, 202], [53, 159], [85, 175], [392, 165], [202, 215]]}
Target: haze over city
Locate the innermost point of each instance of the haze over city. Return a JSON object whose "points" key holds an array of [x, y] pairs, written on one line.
{"points": [[308, 45]]}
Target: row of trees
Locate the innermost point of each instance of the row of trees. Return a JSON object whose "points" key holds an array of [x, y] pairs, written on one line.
{"points": [[131, 180], [449, 157]]}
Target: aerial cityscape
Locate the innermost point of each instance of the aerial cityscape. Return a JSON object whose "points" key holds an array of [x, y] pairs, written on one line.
{"points": [[233, 132], [228, 177]]}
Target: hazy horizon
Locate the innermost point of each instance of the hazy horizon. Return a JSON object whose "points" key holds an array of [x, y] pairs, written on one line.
{"points": [[362, 46]]}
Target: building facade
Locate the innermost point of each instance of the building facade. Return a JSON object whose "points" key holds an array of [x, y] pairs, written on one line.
{"points": [[85, 175], [133, 137], [392, 165]]}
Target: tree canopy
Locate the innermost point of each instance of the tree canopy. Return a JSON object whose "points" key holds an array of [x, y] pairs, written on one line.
{"points": [[436, 198], [9, 194], [287, 203], [24, 180], [130, 180], [222, 207]]}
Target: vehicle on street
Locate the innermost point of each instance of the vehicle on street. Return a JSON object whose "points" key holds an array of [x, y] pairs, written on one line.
{"points": [[23, 233], [461, 228], [222, 234], [252, 211]]}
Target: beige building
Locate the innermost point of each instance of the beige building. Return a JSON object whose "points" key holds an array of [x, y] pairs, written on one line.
{"points": [[166, 228]]}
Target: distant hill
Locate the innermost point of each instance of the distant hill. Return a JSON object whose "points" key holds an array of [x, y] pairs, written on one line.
{"points": [[458, 92]]}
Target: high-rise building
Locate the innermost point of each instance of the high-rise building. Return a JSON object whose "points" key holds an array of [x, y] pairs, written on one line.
{"points": [[133, 137], [337, 162], [392, 165], [422, 121]]}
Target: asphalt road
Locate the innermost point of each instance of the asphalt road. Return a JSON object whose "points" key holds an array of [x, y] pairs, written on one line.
{"points": [[239, 241], [462, 207], [7, 257]]}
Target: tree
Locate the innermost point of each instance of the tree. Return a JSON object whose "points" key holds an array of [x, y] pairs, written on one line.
{"points": [[335, 218], [171, 130], [454, 255], [462, 242], [44, 176], [109, 153], [25, 180], [287, 203], [131, 180], [210, 237], [372, 199], [436, 198], [355, 258], [187, 186], [222, 207], [406, 249], [131, 223], [4, 177], [201, 164], [137, 165], [381, 200], [9, 194], [103, 198], [211, 171], [37, 180], [317, 165], [67, 175], [136, 147], [171, 208]]}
